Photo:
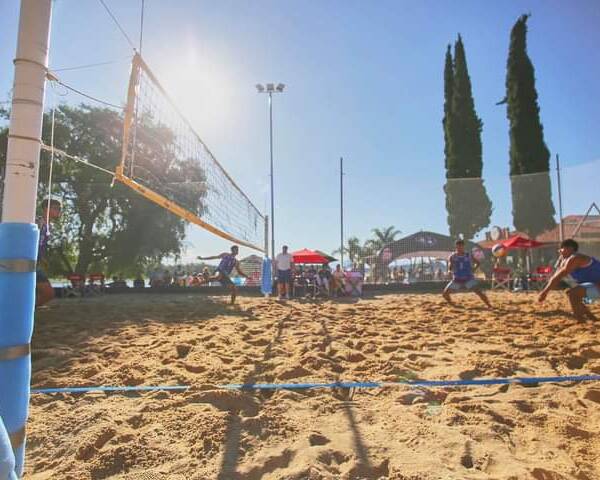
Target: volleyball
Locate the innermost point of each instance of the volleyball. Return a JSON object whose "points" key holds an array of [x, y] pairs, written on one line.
{"points": [[498, 250]]}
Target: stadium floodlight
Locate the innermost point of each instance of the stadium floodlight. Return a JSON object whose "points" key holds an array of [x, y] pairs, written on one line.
{"points": [[270, 89]]}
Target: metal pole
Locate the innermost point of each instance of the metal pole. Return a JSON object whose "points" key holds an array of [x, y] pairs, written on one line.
{"points": [[561, 231], [18, 232], [272, 181], [342, 211], [142, 27]]}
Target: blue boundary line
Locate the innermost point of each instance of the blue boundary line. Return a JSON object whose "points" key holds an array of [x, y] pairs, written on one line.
{"points": [[305, 386], [413, 383]]}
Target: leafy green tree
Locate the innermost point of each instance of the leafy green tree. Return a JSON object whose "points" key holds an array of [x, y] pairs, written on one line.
{"points": [[107, 227], [463, 150], [533, 210]]}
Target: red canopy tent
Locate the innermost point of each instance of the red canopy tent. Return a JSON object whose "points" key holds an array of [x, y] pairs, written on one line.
{"points": [[520, 242], [309, 256]]}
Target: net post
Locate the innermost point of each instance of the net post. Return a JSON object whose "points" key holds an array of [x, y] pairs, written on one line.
{"points": [[128, 120], [267, 236], [18, 231]]}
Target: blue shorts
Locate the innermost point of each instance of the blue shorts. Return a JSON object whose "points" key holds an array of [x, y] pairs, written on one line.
{"points": [[462, 285], [591, 290], [284, 276], [224, 279]]}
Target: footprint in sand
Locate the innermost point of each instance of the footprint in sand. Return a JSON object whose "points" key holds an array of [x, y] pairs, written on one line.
{"points": [[316, 438], [592, 395], [104, 438], [259, 342], [183, 350], [389, 348], [575, 363], [524, 406], [136, 421], [86, 452], [469, 374], [194, 368], [294, 372], [543, 474], [355, 357]]}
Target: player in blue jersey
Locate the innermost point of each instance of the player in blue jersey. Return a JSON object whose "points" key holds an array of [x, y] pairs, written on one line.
{"points": [[461, 264], [582, 273], [226, 265]]}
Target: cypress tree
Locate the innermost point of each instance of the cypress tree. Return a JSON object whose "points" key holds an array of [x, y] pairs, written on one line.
{"points": [[467, 203], [448, 87], [533, 210]]}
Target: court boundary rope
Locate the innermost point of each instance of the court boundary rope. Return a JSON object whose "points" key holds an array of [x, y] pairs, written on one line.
{"points": [[347, 385]]}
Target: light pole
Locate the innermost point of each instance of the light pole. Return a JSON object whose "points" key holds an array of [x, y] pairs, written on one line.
{"points": [[270, 89]]}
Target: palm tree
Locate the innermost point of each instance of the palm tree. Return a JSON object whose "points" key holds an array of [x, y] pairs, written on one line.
{"points": [[352, 248], [383, 236]]}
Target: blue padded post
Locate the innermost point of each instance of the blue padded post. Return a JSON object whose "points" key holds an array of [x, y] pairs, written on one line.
{"points": [[18, 253], [7, 457], [266, 278]]}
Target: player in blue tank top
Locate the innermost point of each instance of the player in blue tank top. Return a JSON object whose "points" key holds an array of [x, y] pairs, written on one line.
{"points": [[461, 264], [582, 272], [226, 265]]}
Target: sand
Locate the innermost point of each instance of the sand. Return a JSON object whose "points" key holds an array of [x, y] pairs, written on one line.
{"points": [[548, 432]]}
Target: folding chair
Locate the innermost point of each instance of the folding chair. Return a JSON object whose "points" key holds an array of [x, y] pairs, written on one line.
{"points": [[77, 287], [322, 286], [299, 286], [306, 284], [95, 284], [501, 278], [540, 277]]}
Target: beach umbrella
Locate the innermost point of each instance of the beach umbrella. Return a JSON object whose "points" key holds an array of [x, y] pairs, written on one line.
{"points": [[328, 257], [518, 241], [309, 256], [522, 243]]}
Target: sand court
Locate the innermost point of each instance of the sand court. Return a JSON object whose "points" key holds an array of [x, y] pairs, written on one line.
{"points": [[548, 431]]}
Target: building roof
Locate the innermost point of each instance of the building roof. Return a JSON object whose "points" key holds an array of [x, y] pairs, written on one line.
{"points": [[589, 231]]}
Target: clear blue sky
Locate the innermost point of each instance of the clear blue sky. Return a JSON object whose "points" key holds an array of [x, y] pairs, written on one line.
{"points": [[365, 81]]}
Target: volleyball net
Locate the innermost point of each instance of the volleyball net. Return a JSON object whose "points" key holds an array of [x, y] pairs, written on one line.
{"points": [[165, 160]]}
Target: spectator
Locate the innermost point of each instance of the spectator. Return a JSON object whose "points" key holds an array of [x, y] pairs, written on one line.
{"points": [[167, 278], [179, 277], [338, 281], [156, 279], [205, 275], [284, 264], [323, 279], [139, 282]]}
